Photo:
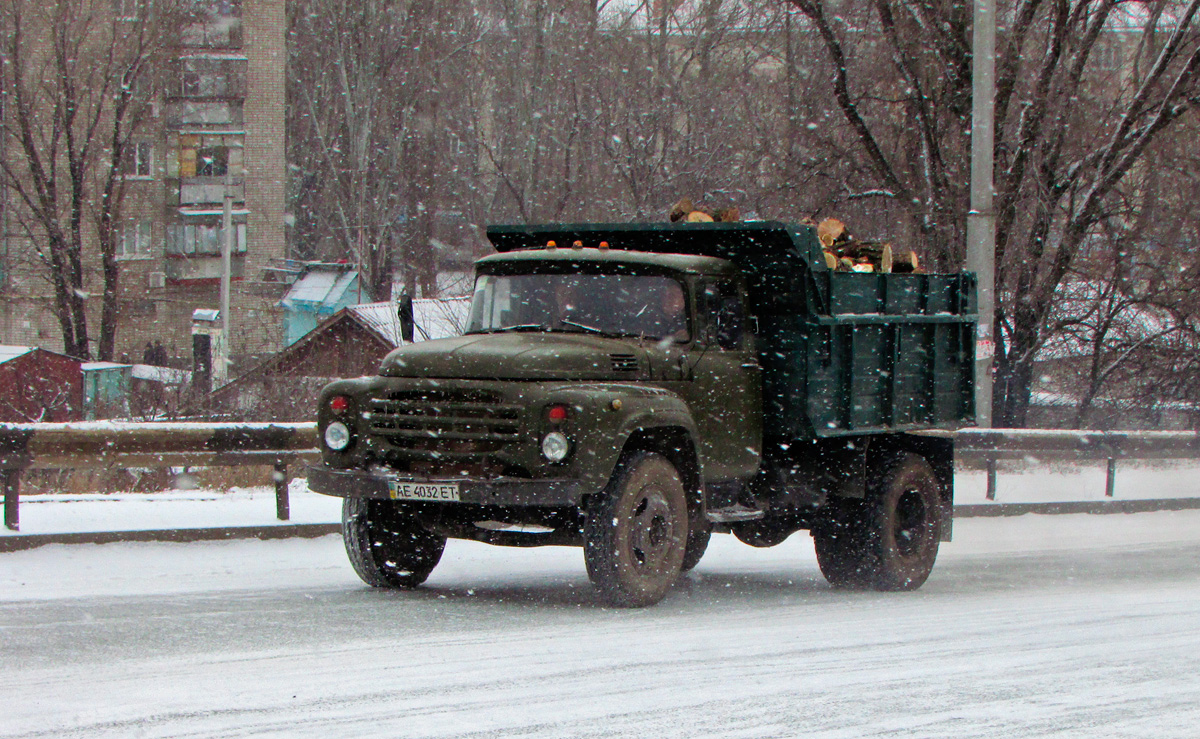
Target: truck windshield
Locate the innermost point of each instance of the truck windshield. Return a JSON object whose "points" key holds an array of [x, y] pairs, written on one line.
{"points": [[649, 306]]}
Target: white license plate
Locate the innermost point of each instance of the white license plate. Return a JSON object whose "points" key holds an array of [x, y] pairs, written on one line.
{"points": [[436, 491]]}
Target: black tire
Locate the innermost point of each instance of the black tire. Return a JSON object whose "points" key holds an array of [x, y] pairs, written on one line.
{"points": [[840, 540], [386, 545], [889, 541], [697, 544], [636, 533]]}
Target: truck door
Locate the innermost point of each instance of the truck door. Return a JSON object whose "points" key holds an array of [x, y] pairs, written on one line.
{"points": [[724, 383]]}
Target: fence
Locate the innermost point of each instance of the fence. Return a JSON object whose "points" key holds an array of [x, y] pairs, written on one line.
{"points": [[105, 444], [991, 445]]}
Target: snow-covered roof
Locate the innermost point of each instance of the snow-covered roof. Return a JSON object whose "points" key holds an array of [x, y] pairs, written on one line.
{"points": [[320, 288], [1054, 399], [99, 366], [1083, 304], [212, 211], [165, 375], [435, 318], [9, 352], [312, 287]]}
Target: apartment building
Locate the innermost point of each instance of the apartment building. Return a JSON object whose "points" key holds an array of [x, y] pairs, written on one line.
{"points": [[216, 128]]}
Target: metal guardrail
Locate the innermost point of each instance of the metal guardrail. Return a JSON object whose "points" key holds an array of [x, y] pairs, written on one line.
{"points": [[103, 444], [106, 444], [992, 445]]}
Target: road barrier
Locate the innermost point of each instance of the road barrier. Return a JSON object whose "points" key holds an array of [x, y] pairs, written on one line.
{"points": [[989, 446], [108, 444]]}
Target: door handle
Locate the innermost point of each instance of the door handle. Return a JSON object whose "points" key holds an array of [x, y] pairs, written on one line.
{"points": [[684, 368]]}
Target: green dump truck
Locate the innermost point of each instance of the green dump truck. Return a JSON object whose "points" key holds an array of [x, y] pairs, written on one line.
{"points": [[632, 389]]}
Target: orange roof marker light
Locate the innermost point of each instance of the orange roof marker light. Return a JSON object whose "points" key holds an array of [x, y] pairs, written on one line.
{"points": [[551, 245], [603, 244], [577, 245]]}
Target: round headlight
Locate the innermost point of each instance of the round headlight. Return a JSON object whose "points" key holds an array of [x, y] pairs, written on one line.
{"points": [[555, 446], [337, 436]]}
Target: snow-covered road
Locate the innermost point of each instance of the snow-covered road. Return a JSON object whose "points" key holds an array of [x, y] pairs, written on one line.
{"points": [[1083, 626]]}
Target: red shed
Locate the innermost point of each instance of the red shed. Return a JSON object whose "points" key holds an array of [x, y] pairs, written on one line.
{"points": [[39, 385]]}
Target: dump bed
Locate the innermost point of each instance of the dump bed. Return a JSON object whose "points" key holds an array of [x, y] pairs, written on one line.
{"points": [[843, 353]]}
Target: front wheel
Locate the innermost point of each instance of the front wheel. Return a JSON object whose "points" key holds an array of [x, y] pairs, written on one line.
{"points": [[387, 547], [636, 533], [699, 534]]}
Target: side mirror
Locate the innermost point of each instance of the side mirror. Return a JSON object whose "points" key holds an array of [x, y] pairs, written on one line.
{"points": [[405, 313]]}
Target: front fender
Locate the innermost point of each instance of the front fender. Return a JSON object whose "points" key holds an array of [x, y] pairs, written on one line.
{"points": [[614, 413]]}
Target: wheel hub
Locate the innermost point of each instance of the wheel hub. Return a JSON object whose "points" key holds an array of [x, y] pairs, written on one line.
{"points": [[911, 519], [649, 531]]}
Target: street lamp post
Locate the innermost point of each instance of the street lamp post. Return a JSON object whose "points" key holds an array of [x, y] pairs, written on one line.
{"points": [[226, 268], [981, 221]]}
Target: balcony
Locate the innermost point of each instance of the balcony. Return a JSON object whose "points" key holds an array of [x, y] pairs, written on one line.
{"points": [[213, 32], [196, 113], [206, 191], [203, 269], [203, 75]]}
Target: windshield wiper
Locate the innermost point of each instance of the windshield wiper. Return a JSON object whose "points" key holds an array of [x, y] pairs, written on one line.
{"points": [[518, 327], [584, 326], [551, 329], [600, 331]]}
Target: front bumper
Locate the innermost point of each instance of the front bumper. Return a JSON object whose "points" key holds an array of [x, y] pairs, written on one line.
{"points": [[505, 492]]}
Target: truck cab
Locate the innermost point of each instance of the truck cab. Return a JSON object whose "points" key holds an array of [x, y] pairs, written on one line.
{"points": [[630, 390]]}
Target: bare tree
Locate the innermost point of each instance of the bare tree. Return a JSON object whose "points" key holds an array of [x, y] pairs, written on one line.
{"points": [[1129, 301], [78, 81], [561, 110], [368, 85]]}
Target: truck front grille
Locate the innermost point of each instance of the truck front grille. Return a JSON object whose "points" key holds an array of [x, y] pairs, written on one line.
{"points": [[444, 425]]}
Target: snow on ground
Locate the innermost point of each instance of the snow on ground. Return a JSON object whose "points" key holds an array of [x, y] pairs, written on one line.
{"points": [[136, 568], [51, 514], [1064, 626], [173, 509]]}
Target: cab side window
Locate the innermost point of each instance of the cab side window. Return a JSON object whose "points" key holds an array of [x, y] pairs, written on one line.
{"points": [[724, 315]]}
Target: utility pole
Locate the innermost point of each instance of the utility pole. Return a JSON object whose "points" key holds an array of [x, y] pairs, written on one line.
{"points": [[5, 266], [981, 221], [226, 268]]}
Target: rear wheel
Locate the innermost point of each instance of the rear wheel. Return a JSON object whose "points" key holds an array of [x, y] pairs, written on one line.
{"points": [[636, 533], [386, 545], [890, 540], [840, 541]]}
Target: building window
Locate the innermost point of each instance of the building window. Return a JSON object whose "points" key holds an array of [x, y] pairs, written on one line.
{"points": [[218, 24], [138, 160], [211, 78], [129, 10], [186, 113], [1108, 53], [202, 239], [204, 85], [212, 161], [208, 155], [133, 240]]}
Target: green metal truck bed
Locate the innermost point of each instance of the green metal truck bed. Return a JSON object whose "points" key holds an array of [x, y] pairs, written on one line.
{"points": [[843, 353]]}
